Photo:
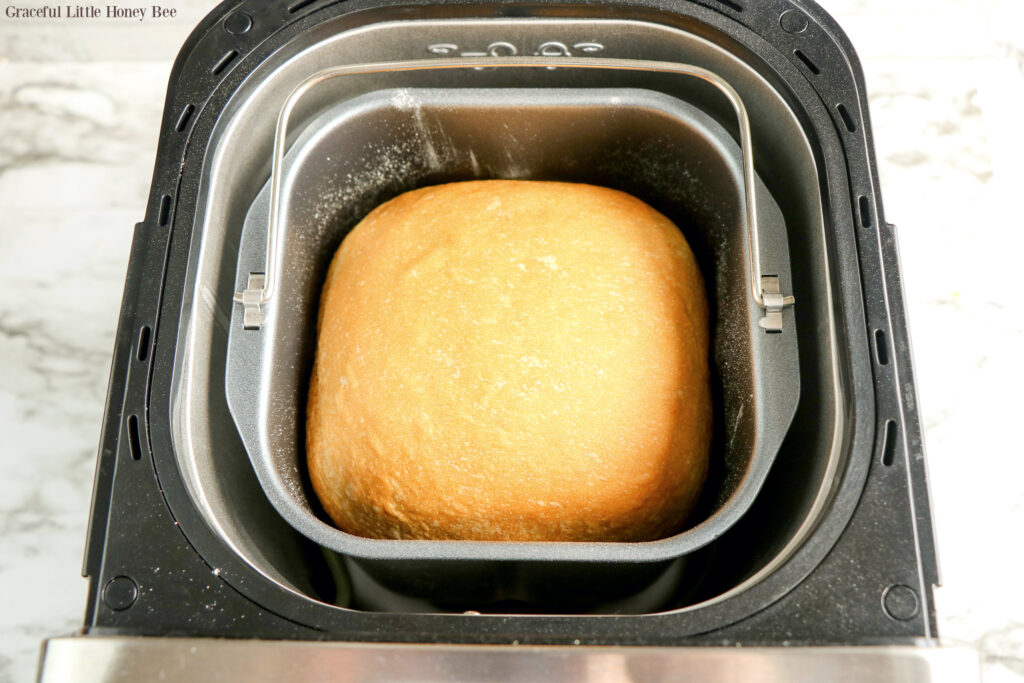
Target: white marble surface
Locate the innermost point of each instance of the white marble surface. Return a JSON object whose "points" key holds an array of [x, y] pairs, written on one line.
{"points": [[79, 112]]}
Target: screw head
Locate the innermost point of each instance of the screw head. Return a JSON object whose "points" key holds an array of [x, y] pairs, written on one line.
{"points": [[238, 23], [120, 593], [900, 602], [793, 21]]}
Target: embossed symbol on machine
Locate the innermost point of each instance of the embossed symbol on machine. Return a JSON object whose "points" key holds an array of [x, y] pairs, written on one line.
{"points": [[502, 48]]}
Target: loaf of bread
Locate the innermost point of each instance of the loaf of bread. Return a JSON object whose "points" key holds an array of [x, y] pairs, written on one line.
{"points": [[511, 361]]}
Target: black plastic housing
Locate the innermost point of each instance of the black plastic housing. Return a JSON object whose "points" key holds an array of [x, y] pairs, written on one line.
{"points": [[876, 534]]}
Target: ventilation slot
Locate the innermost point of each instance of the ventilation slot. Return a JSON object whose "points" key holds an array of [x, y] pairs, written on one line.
{"points": [[865, 212], [881, 348], [731, 5], [807, 62], [847, 119], [889, 444], [183, 120], [165, 211], [223, 63], [133, 438], [302, 4], [145, 335]]}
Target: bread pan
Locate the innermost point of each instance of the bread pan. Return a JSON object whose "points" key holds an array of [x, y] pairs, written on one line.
{"points": [[366, 150]]}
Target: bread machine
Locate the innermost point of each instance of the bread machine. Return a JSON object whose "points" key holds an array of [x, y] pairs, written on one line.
{"points": [[745, 121]]}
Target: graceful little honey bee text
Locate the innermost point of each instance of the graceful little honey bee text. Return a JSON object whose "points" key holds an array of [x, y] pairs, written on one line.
{"points": [[122, 12]]}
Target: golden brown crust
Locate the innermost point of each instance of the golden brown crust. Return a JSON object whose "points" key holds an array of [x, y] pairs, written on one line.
{"points": [[514, 361]]}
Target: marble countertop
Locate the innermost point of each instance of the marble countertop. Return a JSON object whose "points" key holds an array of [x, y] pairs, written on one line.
{"points": [[80, 103]]}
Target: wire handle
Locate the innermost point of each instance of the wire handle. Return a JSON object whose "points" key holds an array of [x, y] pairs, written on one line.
{"points": [[260, 288]]}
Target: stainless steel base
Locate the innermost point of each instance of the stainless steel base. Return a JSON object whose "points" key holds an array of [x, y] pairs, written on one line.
{"points": [[89, 659]]}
